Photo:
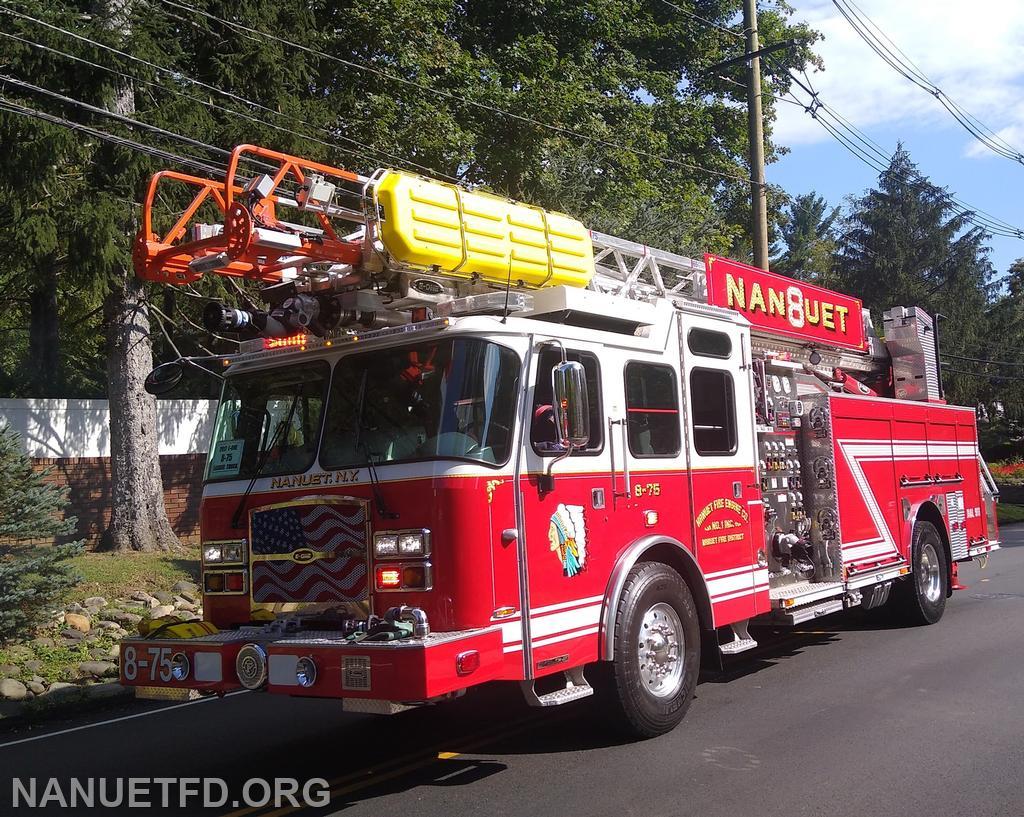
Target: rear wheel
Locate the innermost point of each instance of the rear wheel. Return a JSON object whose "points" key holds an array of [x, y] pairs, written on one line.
{"points": [[657, 651], [923, 597]]}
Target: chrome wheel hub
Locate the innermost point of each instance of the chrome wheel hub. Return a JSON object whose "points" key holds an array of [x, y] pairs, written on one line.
{"points": [[660, 650], [929, 577]]}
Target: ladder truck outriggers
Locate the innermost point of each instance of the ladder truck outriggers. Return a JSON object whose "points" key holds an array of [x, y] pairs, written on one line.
{"points": [[465, 440]]}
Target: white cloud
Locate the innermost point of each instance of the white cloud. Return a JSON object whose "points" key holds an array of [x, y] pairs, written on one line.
{"points": [[972, 51]]}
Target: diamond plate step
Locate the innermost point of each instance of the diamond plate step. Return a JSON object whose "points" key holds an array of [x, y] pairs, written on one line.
{"points": [[737, 645], [576, 687]]}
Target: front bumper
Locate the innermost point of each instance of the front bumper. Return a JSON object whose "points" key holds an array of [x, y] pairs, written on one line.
{"points": [[411, 669]]}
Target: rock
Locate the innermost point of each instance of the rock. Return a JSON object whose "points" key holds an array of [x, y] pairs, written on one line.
{"points": [[162, 610], [44, 642], [74, 607], [9, 671], [98, 669], [128, 619], [12, 690], [184, 587], [34, 665], [95, 602], [36, 687], [108, 625], [77, 621], [110, 689], [187, 606], [72, 635], [163, 597], [20, 652], [188, 595], [61, 691], [186, 616], [98, 654], [140, 595], [58, 620]]}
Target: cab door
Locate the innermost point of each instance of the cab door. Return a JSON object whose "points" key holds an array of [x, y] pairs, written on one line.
{"points": [[567, 523], [728, 530]]}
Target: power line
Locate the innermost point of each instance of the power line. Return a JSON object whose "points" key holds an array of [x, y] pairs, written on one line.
{"points": [[207, 103], [887, 50], [260, 36], [999, 377], [872, 154], [135, 123], [178, 76], [738, 34], [23, 110], [982, 360]]}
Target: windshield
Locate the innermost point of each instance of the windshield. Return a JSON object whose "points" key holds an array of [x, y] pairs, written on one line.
{"points": [[453, 398], [269, 421]]}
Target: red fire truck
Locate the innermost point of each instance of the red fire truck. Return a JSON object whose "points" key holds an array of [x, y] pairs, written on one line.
{"points": [[464, 440]]}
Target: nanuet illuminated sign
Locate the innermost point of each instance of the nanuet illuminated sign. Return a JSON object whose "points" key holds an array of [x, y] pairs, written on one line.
{"points": [[785, 306]]}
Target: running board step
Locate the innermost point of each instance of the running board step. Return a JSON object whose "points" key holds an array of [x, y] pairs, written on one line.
{"points": [[576, 687], [798, 615], [742, 640]]}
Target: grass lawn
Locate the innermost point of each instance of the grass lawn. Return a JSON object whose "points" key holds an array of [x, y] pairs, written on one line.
{"points": [[117, 574], [1008, 513]]}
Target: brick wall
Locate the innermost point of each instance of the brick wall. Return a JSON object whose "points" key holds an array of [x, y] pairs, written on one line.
{"points": [[87, 480]]}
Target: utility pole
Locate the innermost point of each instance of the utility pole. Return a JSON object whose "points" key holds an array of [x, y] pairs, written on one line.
{"points": [[755, 129]]}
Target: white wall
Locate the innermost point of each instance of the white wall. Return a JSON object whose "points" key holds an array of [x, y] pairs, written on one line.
{"points": [[81, 428]]}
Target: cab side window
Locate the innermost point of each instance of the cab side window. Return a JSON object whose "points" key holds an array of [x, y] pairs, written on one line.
{"points": [[652, 410], [542, 426], [714, 412]]}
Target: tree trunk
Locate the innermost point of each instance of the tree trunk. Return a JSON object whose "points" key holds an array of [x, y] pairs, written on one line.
{"points": [[44, 369], [139, 517]]}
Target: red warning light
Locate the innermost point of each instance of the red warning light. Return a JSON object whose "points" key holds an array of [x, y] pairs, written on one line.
{"points": [[290, 342]]}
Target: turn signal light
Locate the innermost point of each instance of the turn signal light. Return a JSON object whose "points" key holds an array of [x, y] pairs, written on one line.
{"points": [[388, 578], [234, 582], [414, 576], [213, 583]]}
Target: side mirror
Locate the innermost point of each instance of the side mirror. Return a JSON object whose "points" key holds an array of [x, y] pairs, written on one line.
{"points": [[164, 378], [571, 405]]}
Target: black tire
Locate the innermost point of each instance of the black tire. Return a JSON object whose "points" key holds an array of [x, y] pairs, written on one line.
{"points": [[640, 706], [922, 596]]}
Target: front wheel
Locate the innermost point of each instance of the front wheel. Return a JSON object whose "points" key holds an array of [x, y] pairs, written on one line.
{"points": [[924, 594], [657, 651]]}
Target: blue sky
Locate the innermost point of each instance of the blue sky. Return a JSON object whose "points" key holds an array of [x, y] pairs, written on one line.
{"points": [[973, 52]]}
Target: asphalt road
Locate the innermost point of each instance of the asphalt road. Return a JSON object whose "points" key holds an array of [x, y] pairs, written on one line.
{"points": [[848, 716]]}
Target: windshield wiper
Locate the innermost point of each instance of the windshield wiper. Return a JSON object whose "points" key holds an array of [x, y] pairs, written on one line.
{"points": [[371, 467], [261, 463]]}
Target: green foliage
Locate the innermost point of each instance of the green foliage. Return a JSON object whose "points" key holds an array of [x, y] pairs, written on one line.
{"points": [[630, 76], [808, 239], [903, 244], [32, 578]]}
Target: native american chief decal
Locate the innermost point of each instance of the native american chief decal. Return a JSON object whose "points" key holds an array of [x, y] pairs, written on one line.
{"points": [[567, 536]]}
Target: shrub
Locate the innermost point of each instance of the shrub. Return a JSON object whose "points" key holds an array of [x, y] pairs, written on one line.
{"points": [[32, 577]]}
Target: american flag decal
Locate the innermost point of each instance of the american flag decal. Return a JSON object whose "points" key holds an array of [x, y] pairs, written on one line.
{"points": [[329, 541]]}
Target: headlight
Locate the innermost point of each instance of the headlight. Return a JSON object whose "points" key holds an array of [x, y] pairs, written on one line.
{"points": [[179, 666], [413, 543], [226, 551], [385, 544], [305, 672]]}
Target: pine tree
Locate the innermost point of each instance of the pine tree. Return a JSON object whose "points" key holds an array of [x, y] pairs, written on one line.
{"points": [[32, 576], [905, 244]]}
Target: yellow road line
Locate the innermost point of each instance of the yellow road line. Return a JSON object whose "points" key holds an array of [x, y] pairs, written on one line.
{"points": [[376, 775]]}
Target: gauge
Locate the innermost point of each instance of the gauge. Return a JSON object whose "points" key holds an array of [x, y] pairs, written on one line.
{"points": [[776, 383], [787, 386]]}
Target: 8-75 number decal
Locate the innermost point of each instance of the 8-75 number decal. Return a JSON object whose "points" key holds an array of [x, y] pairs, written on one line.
{"points": [[156, 661]]}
